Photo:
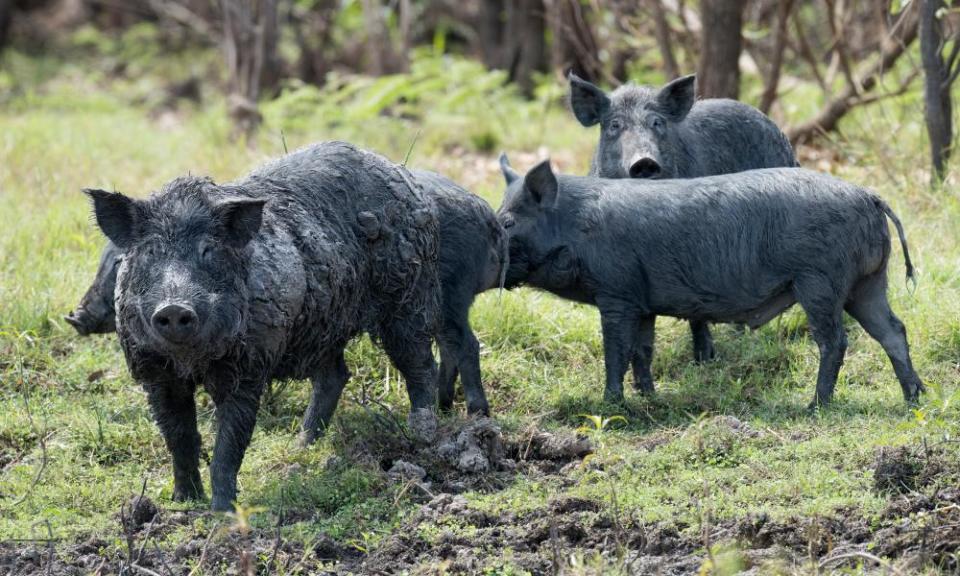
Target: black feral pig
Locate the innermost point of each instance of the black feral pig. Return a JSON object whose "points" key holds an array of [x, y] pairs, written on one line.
{"points": [[666, 133], [473, 253], [228, 286], [473, 250], [94, 314], [635, 249]]}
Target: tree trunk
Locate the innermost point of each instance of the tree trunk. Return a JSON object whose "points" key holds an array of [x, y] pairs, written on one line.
{"points": [[525, 42], [938, 104], [776, 61], [574, 45], [6, 16], [490, 32], [664, 42], [718, 75], [245, 35], [376, 45]]}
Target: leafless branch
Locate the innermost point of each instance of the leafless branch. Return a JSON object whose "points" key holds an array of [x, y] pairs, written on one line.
{"points": [[903, 33]]}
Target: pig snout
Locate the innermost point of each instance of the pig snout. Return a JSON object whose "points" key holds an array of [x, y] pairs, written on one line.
{"points": [[79, 320], [91, 319], [175, 323], [644, 167]]}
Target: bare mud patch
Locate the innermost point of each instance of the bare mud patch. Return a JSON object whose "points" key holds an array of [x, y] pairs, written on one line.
{"points": [[444, 531]]}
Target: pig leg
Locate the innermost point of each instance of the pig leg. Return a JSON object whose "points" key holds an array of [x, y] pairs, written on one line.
{"points": [[824, 311], [447, 376], [702, 341], [328, 384], [409, 347], [869, 306], [620, 324], [643, 356], [236, 417], [175, 412], [458, 343]]}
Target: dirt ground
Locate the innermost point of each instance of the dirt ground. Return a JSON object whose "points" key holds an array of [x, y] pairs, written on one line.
{"points": [[915, 530]]}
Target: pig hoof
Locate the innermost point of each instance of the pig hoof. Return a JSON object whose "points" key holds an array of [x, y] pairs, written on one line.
{"points": [[644, 387], [221, 504], [445, 405], [913, 400], [816, 404], [616, 399], [478, 409], [423, 425], [704, 353], [185, 494], [306, 438]]}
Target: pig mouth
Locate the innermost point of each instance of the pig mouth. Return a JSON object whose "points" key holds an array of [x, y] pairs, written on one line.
{"points": [[85, 324]]}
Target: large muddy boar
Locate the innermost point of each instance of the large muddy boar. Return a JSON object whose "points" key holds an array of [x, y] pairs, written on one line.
{"points": [[647, 132], [635, 249], [229, 286], [473, 250]]}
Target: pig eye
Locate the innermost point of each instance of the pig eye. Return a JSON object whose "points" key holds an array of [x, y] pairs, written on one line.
{"points": [[657, 123], [508, 222], [615, 125]]}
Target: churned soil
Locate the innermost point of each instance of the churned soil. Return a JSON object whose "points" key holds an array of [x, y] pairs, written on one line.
{"points": [[916, 529]]}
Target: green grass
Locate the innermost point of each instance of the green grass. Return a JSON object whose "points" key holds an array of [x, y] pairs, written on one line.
{"points": [[542, 357]]}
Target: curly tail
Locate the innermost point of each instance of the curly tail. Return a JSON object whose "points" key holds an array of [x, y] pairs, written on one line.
{"points": [[903, 240]]}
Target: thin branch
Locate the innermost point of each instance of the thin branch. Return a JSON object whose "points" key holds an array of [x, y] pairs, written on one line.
{"points": [[807, 54], [901, 35], [776, 63]]}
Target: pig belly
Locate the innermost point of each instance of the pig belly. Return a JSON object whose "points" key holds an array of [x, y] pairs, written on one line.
{"points": [[765, 312], [753, 312]]}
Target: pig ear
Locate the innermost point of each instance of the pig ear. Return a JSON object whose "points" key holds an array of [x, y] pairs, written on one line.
{"points": [[588, 102], [542, 184], [116, 216], [241, 219], [676, 98], [509, 174]]}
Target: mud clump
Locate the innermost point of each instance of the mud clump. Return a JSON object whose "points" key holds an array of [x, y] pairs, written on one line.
{"points": [[137, 512], [403, 470], [905, 469], [478, 448], [560, 446], [423, 425]]}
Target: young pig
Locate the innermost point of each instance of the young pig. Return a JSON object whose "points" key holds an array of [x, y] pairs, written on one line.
{"points": [[229, 286], [647, 132], [636, 249]]}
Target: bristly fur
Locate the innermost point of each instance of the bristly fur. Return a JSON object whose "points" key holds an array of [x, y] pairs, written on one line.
{"points": [[683, 138], [282, 305], [732, 248], [473, 258]]}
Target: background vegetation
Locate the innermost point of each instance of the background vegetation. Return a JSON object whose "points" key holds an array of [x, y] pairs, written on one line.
{"points": [[723, 471]]}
